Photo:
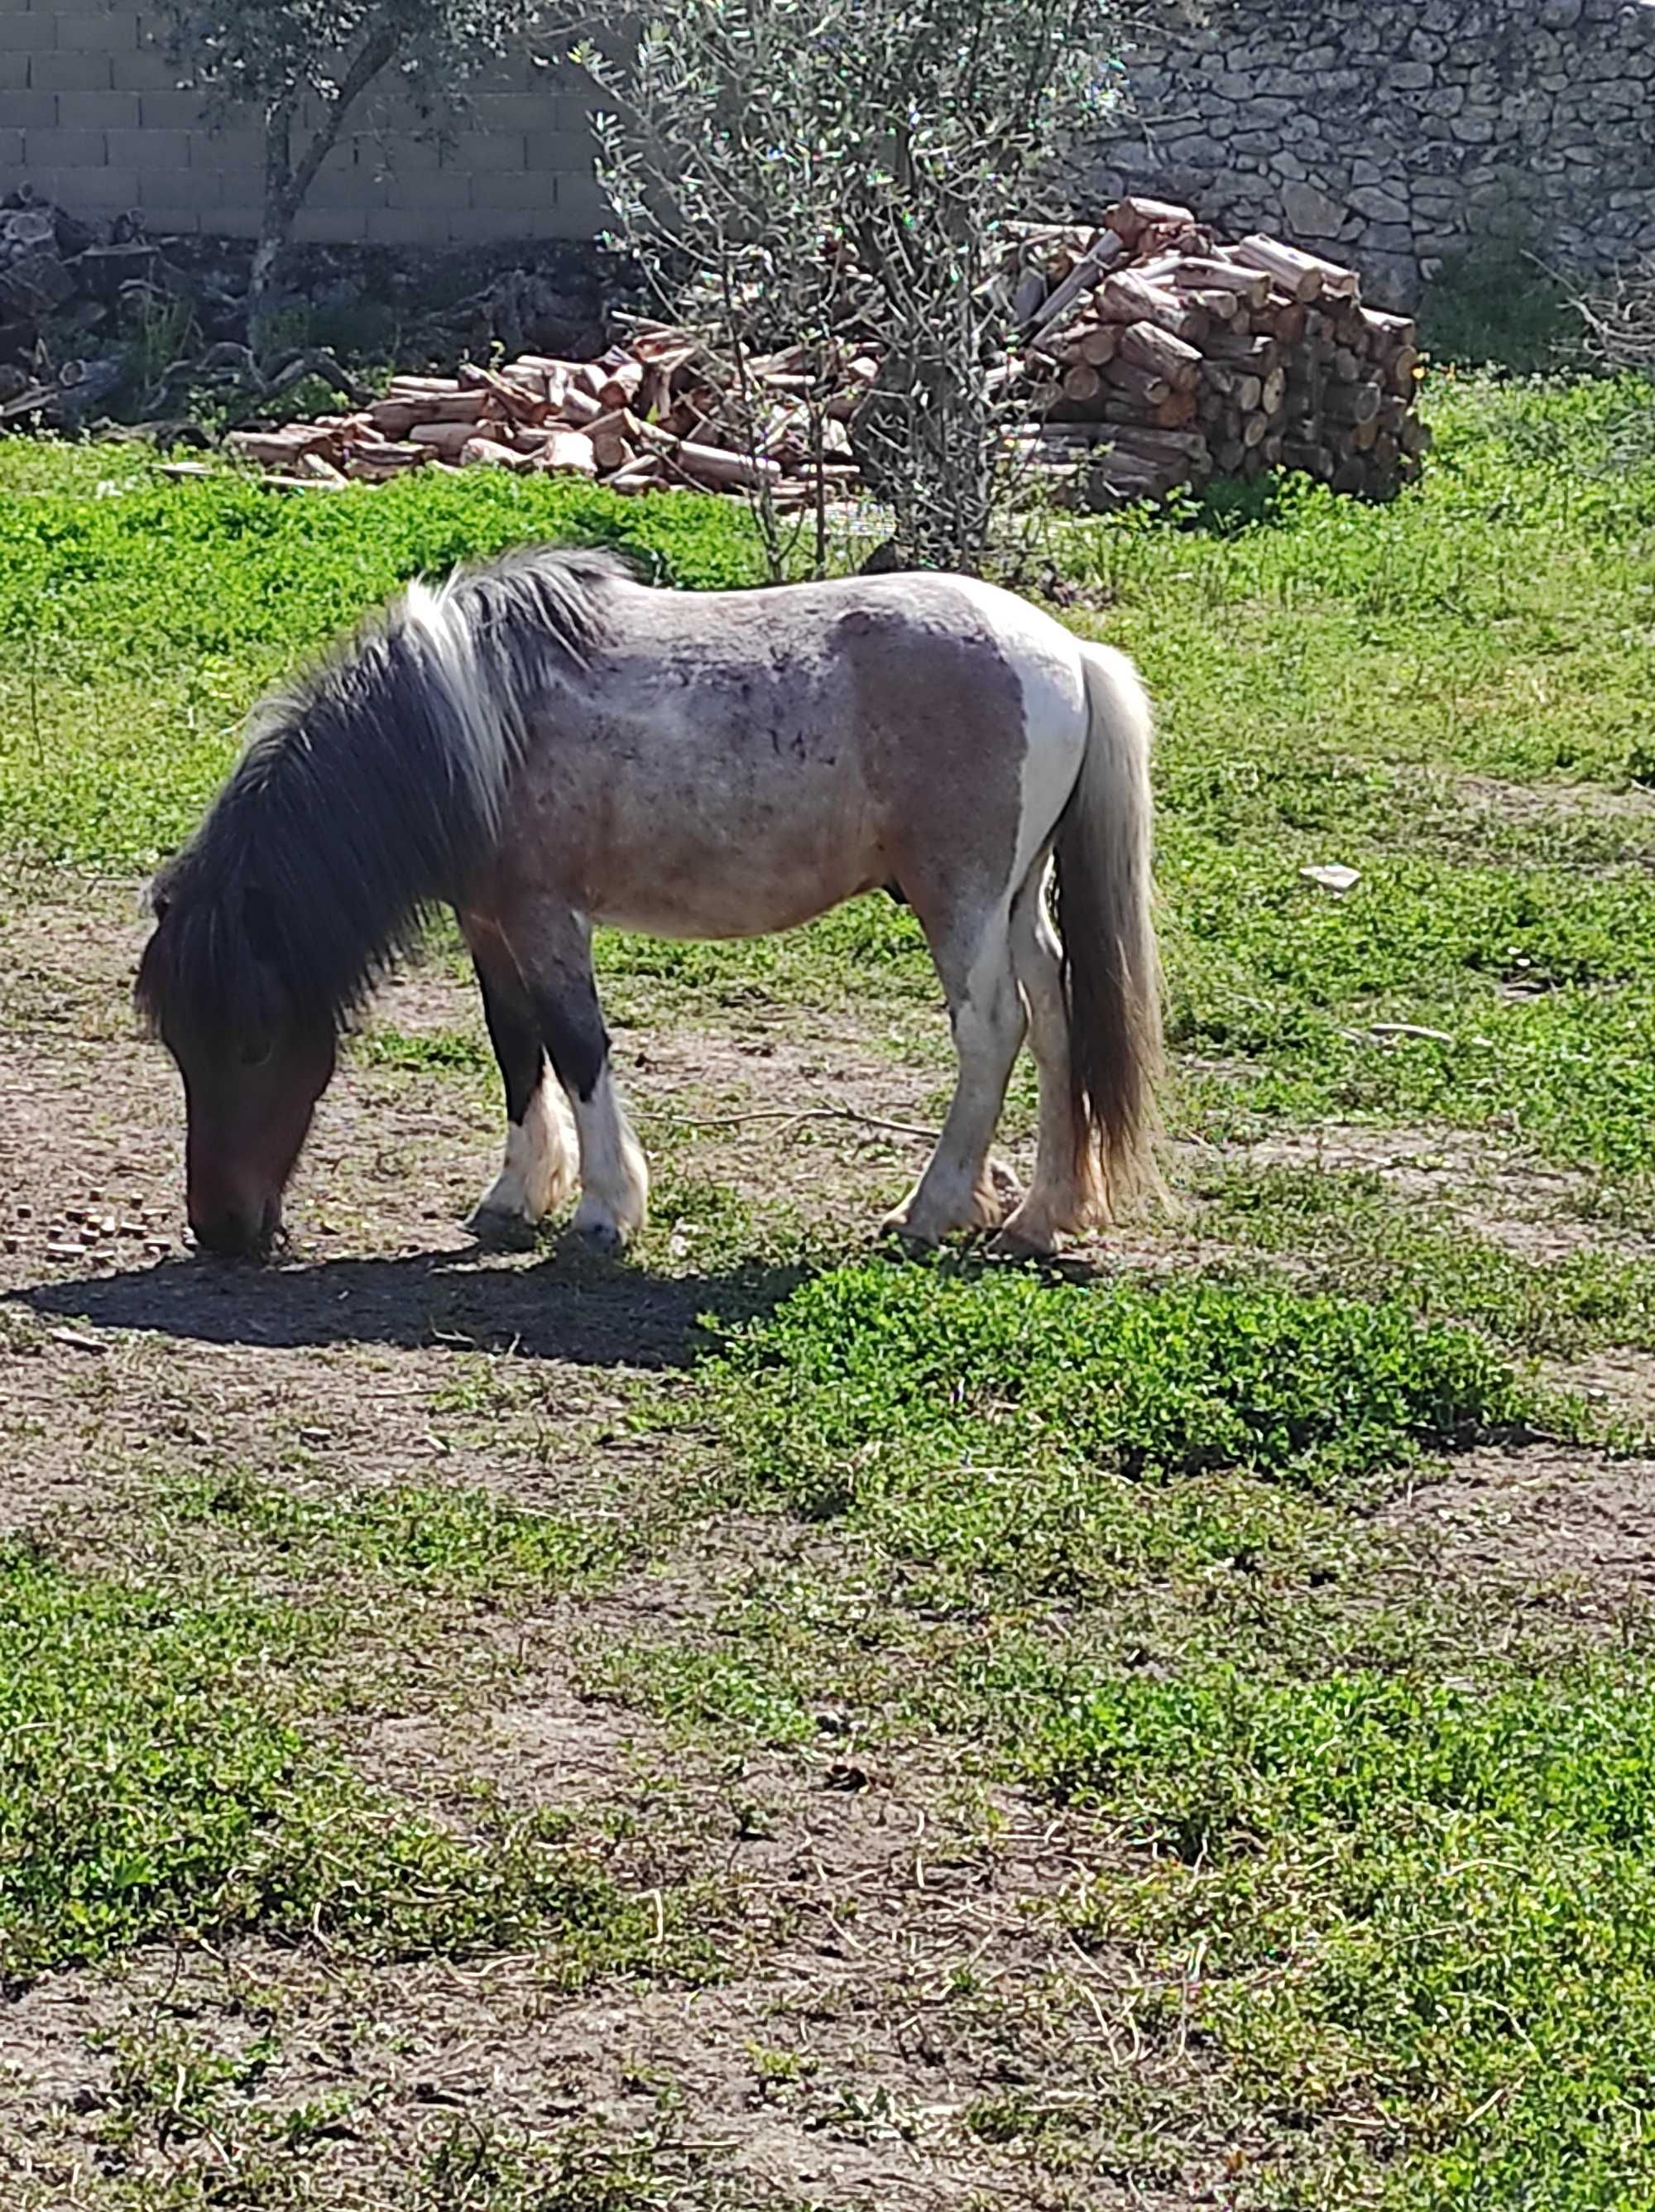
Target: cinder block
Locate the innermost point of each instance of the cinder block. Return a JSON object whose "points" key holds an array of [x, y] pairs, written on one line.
{"points": [[395, 153], [583, 204], [14, 70], [559, 151], [330, 226], [170, 110], [510, 196], [415, 190], [34, 33], [102, 191], [77, 72], [98, 110], [148, 69], [480, 152], [492, 111], [28, 111], [150, 150], [11, 151], [165, 188], [402, 225], [235, 219], [65, 149], [98, 30], [229, 148], [167, 218]]}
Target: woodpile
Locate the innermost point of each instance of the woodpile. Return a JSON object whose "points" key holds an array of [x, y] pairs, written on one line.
{"points": [[1152, 356], [653, 414], [1155, 356]]}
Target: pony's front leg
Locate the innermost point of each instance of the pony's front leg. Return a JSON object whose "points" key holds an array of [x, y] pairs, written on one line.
{"points": [[552, 946], [539, 1171]]}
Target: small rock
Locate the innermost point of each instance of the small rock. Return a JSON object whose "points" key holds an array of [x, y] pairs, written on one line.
{"points": [[1335, 876]]}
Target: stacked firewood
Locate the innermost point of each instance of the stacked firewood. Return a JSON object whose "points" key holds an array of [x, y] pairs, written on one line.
{"points": [[1155, 355], [1152, 356], [659, 412]]}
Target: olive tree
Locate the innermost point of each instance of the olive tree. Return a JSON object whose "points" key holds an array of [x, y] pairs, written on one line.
{"points": [[304, 66], [785, 170]]}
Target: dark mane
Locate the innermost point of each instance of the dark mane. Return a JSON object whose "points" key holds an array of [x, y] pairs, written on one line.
{"points": [[370, 791]]}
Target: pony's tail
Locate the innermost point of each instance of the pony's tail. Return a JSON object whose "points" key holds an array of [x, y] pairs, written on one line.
{"points": [[1111, 968]]}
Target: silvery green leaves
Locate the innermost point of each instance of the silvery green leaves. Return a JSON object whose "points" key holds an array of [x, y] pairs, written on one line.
{"points": [[793, 174]]}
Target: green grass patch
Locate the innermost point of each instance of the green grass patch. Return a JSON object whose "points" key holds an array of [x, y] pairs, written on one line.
{"points": [[1153, 1380], [165, 1777], [464, 1541], [1418, 1917]]}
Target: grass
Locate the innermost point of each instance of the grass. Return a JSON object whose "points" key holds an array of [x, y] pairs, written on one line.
{"points": [[166, 1775], [1408, 1865], [1340, 1888]]}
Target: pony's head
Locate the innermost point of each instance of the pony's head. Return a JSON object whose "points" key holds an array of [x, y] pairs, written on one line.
{"points": [[255, 1052]]}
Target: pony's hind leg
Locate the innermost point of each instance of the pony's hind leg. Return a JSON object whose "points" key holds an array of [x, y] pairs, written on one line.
{"points": [[538, 1170], [553, 947], [1064, 1195], [960, 1189]]}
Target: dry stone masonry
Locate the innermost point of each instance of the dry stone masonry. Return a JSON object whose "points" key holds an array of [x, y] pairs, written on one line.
{"points": [[1396, 133]]}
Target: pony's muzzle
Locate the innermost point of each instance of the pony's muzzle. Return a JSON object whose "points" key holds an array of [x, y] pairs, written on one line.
{"points": [[232, 1232]]}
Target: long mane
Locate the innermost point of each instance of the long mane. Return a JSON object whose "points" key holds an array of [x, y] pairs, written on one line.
{"points": [[368, 793]]}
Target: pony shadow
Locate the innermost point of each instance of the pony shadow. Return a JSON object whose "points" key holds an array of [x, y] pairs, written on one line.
{"points": [[554, 1310]]}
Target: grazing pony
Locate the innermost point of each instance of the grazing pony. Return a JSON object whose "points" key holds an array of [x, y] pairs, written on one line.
{"points": [[544, 743]]}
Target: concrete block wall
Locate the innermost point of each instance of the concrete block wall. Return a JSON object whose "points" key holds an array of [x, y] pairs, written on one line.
{"points": [[91, 115]]}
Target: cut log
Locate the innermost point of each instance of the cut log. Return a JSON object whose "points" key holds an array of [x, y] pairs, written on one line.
{"points": [[1147, 386], [1126, 298], [1363, 436], [622, 385], [1082, 384], [1187, 272], [512, 401], [1238, 349], [1241, 386], [489, 452], [1283, 319], [712, 465], [1130, 218], [1273, 392], [445, 438], [1346, 367], [1185, 445], [1351, 403], [1300, 275], [1175, 412], [567, 454], [1105, 250], [1311, 459], [1402, 371], [1100, 345], [1338, 283], [1157, 351], [1254, 428], [1388, 334]]}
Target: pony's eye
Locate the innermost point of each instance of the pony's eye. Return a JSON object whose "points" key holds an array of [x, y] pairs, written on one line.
{"points": [[254, 1055]]}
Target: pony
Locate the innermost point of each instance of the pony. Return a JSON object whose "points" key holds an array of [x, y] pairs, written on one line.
{"points": [[544, 743]]}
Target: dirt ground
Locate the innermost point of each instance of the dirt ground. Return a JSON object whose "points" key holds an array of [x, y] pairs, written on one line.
{"points": [[853, 1907]]}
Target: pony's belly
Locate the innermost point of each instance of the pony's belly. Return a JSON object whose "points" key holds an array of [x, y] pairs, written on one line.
{"points": [[711, 903]]}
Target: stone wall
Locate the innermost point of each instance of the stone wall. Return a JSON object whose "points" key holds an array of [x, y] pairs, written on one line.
{"points": [[90, 115], [1395, 133]]}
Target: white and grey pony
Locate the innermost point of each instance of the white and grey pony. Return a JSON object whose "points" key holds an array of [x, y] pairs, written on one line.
{"points": [[544, 744]]}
